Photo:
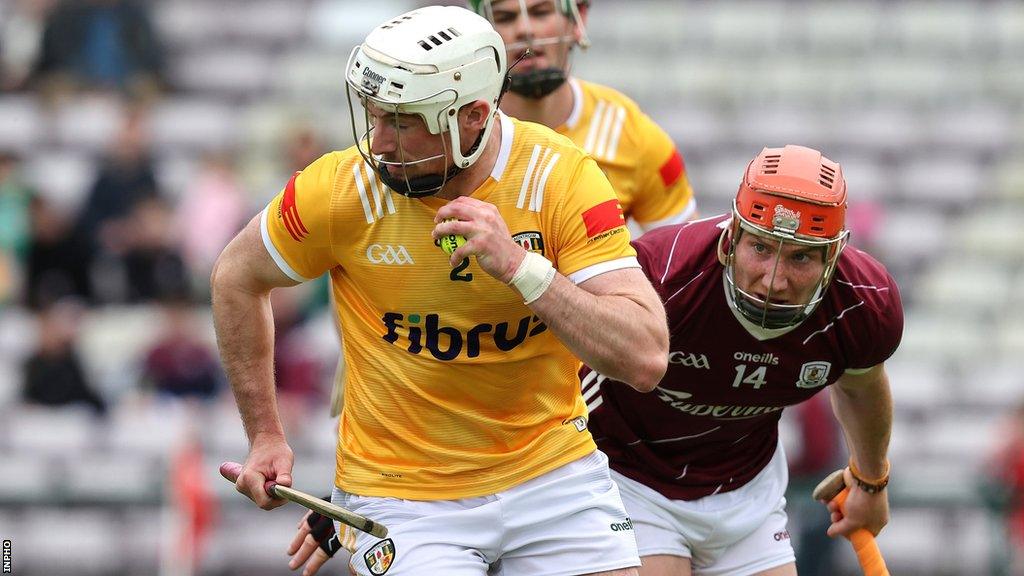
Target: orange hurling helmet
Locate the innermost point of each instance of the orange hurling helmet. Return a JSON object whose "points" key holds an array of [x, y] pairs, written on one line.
{"points": [[791, 195]]}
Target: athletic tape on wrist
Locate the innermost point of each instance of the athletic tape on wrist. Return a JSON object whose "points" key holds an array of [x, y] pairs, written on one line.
{"points": [[532, 278]]}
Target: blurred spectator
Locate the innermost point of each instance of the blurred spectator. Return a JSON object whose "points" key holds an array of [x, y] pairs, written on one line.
{"points": [[1005, 489], [154, 269], [212, 210], [124, 179], [15, 197], [820, 453], [180, 364], [100, 45], [56, 265], [15, 225], [125, 226], [21, 34], [53, 373]]}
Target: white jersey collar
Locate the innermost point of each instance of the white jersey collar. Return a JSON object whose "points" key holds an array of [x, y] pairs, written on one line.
{"points": [[505, 150], [577, 104]]}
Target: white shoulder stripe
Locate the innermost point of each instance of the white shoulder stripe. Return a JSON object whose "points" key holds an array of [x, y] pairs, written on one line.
{"points": [[536, 177], [595, 123], [611, 129], [526, 178], [379, 203], [602, 136], [856, 286], [538, 196], [685, 286], [383, 191], [367, 211], [671, 254], [589, 272], [833, 322], [613, 144], [274, 253]]}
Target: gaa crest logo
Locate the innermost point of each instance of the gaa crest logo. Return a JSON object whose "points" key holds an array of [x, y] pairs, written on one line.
{"points": [[531, 241], [813, 374], [379, 558]]}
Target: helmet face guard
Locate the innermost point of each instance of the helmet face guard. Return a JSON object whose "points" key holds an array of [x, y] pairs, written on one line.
{"points": [[789, 196], [395, 174], [538, 83], [429, 63]]}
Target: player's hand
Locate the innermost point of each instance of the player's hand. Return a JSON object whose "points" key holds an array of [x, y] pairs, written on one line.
{"points": [[487, 236], [315, 543], [270, 458], [862, 510]]}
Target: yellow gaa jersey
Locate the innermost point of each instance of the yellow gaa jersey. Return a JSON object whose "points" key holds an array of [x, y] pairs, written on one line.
{"points": [[644, 166], [453, 387]]}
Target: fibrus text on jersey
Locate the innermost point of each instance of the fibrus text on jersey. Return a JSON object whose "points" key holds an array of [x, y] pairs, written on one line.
{"points": [[428, 335]]}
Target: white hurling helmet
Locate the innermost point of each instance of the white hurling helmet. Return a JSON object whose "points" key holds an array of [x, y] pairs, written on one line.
{"points": [[429, 62]]}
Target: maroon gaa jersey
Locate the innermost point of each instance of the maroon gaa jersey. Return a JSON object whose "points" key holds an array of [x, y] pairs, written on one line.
{"points": [[712, 423]]}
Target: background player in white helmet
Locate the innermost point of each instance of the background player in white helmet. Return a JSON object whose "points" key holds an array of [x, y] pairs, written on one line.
{"points": [[464, 429], [767, 306], [639, 158]]}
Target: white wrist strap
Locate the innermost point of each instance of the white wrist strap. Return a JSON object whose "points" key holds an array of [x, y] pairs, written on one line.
{"points": [[532, 278]]}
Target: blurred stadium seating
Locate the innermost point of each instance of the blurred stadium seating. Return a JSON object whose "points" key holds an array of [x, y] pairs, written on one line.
{"points": [[922, 101]]}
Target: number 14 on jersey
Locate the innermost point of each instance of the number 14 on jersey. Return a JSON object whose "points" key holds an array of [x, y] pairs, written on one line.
{"points": [[755, 378]]}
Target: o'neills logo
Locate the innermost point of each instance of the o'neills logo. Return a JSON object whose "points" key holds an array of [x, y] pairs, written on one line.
{"points": [[621, 526], [765, 358], [682, 401]]}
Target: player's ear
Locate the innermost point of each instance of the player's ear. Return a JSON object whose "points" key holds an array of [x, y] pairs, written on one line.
{"points": [[475, 114]]}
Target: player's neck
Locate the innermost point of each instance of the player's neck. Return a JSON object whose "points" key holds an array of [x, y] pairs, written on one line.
{"points": [[552, 110], [473, 177]]}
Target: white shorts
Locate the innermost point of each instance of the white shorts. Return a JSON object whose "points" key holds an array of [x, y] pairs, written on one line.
{"points": [[734, 533], [566, 522]]}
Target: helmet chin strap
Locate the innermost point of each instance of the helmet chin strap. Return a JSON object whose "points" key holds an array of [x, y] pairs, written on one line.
{"points": [[418, 186], [428, 184], [767, 316], [536, 84]]}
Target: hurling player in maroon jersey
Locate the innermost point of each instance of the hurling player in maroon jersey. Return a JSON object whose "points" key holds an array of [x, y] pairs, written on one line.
{"points": [[767, 306]]}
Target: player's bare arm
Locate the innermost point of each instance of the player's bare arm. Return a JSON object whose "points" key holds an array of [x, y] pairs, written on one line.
{"points": [[613, 322], [863, 405], [241, 283]]}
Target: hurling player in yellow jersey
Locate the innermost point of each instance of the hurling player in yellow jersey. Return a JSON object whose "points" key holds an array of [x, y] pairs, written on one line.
{"points": [[639, 158], [463, 428]]}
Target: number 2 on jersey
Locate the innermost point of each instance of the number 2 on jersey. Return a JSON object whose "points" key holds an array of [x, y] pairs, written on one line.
{"points": [[455, 275], [755, 378]]}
